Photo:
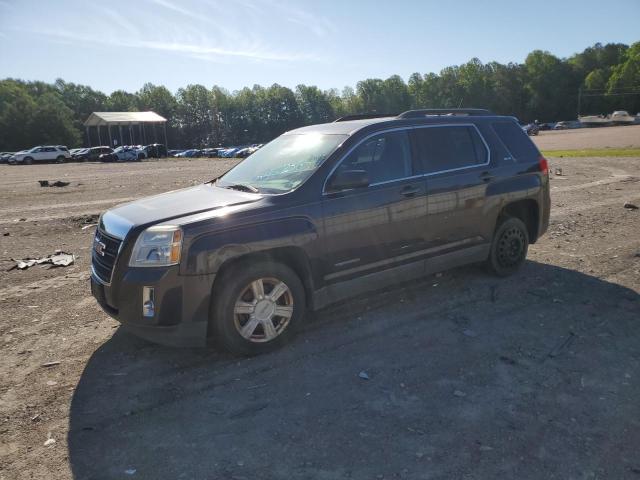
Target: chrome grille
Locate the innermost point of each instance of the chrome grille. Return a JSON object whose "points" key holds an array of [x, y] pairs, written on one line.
{"points": [[103, 255]]}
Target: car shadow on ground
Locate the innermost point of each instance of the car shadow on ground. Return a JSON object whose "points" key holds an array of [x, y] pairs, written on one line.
{"points": [[535, 376]]}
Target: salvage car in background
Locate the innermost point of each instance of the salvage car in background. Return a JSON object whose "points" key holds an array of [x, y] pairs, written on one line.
{"points": [[91, 154], [47, 153], [121, 154]]}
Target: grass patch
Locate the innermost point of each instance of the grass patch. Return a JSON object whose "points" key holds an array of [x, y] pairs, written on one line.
{"points": [[594, 152]]}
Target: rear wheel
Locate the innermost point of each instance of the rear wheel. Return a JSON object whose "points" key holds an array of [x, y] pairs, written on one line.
{"points": [[257, 307], [509, 247]]}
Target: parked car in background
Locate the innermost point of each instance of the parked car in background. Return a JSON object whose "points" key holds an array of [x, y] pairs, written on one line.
{"points": [[121, 154], [547, 126], [531, 129], [173, 153], [318, 215], [92, 154], [228, 152], [48, 153], [567, 124], [192, 153], [155, 150], [76, 150], [4, 156], [210, 152]]}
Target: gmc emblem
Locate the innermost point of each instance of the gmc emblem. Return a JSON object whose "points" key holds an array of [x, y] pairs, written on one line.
{"points": [[99, 247]]}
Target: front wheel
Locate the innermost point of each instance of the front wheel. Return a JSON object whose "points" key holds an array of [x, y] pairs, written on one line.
{"points": [[257, 307], [509, 247], [60, 159], [28, 160]]}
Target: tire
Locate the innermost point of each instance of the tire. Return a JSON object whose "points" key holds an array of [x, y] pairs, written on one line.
{"points": [[509, 247], [237, 291], [60, 159], [28, 161]]}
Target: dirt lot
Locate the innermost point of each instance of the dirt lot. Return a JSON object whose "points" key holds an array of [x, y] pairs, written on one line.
{"points": [[470, 376], [611, 137]]}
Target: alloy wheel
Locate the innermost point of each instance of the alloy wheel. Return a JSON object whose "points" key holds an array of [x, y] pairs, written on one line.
{"points": [[263, 310]]}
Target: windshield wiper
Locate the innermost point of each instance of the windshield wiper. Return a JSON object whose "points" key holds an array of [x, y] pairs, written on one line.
{"points": [[243, 187]]}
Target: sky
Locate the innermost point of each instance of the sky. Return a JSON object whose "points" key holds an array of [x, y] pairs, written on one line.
{"points": [[122, 44]]}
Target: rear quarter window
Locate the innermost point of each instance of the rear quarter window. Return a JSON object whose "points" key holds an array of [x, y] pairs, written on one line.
{"points": [[517, 141]]}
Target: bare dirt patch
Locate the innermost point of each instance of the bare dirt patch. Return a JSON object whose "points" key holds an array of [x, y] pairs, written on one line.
{"points": [[627, 136], [470, 376]]}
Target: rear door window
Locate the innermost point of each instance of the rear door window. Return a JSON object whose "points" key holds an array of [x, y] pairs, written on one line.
{"points": [[449, 148], [516, 141]]}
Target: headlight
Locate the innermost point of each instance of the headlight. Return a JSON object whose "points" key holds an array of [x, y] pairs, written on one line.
{"points": [[157, 246]]}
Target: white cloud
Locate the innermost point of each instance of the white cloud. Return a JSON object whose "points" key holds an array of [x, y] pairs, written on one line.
{"points": [[203, 50]]}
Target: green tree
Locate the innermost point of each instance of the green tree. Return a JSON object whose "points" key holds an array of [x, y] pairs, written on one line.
{"points": [[17, 109], [52, 122], [314, 104]]}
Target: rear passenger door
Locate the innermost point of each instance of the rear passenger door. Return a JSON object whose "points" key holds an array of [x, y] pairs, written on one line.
{"points": [[376, 227], [456, 161]]}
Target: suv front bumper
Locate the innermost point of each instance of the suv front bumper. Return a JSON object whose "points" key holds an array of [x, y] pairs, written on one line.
{"points": [[181, 305]]}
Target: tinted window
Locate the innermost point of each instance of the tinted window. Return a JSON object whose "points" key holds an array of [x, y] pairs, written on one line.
{"points": [[447, 148], [384, 157], [516, 141]]}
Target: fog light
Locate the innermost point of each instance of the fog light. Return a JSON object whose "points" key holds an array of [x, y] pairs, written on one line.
{"points": [[148, 306]]}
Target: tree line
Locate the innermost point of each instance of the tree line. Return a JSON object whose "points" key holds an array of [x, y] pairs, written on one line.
{"points": [[547, 88]]}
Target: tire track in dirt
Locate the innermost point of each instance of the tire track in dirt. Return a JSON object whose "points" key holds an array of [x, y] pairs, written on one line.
{"points": [[24, 290]]}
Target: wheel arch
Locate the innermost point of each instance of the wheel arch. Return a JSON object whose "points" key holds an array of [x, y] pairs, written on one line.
{"points": [[526, 210], [293, 257]]}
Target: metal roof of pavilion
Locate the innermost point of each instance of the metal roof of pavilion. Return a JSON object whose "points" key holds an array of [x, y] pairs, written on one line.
{"points": [[122, 118]]}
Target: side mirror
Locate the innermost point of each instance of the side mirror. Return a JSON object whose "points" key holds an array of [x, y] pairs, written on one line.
{"points": [[348, 179]]}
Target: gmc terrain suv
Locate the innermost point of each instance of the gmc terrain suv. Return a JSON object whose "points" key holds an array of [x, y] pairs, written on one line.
{"points": [[320, 214]]}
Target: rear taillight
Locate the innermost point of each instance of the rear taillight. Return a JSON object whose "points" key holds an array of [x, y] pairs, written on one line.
{"points": [[544, 166]]}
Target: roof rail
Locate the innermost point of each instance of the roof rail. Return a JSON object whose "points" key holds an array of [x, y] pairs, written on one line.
{"points": [[445, 111], [364, 116]]}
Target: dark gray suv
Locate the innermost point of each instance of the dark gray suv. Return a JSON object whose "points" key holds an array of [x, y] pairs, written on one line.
{"points": [[320, 214]]}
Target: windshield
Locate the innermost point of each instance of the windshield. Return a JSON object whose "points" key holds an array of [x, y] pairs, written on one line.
{"points": [[283, 164]]}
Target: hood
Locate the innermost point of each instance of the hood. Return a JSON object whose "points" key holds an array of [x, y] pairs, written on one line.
{"points": [[171, 205]]}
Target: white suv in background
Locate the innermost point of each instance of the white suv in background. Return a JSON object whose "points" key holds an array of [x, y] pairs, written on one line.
{"points": [[48, 153]]}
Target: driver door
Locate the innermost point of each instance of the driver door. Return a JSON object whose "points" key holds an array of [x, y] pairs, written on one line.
{"points": [[373, 228]]}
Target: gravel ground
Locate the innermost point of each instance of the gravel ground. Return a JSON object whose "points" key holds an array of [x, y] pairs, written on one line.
{"points": [[469, 376]]}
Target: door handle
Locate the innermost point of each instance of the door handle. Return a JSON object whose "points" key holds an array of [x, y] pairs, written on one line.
{"points": [[486, 176], [410, 191]]}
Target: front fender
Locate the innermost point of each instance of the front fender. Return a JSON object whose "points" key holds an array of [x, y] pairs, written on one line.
{"points": [[209, 251]]}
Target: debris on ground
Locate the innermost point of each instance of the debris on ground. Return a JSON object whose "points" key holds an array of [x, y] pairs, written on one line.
{"points": [[6, 234], [631, 206], [130, 471], [363, 375], [459, 393], [58, 259], [469, 333], [51, 364], [57, 183], [50, 441], [89, 226], [559, 172]]}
